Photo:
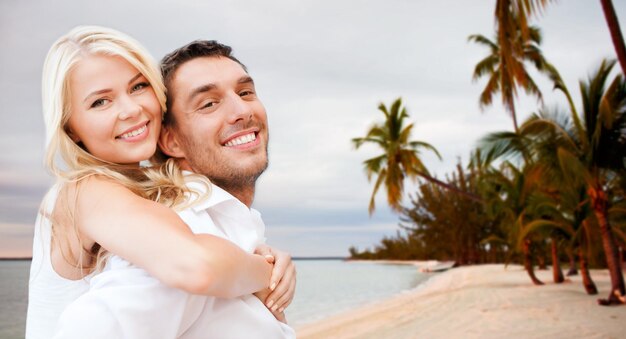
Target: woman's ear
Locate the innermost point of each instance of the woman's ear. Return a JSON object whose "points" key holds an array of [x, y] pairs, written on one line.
{"points": [[169, 144]]}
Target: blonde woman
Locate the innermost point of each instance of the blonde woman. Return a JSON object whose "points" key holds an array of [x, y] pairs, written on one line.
{"points": [[103, 102]]}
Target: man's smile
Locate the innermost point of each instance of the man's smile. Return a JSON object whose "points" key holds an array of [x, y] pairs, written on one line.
{"points": [[243, 139]]}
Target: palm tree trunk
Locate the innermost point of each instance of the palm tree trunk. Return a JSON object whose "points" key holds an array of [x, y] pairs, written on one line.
{"points": [[557, 273], [616, 33], [588, 283], [572, 263], [528, 263], [599, 203]]}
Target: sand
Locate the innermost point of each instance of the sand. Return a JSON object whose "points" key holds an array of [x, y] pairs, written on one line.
{"points": [[486, 301]]}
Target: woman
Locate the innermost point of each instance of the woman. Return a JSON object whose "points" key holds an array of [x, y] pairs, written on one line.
{"points": [[103, 102]]}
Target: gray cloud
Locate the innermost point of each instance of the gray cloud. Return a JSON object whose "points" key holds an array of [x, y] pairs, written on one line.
{"points": [[321, 68]]}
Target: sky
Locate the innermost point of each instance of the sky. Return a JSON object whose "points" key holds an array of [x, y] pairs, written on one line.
{"points": [[321, 69]]}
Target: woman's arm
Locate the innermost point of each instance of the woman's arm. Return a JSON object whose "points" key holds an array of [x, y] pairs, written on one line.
{"points": [[282, 284], [153, 237]]}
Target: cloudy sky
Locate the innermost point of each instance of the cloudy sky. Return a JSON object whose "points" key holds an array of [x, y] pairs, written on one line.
{"points": [[321, 68]]}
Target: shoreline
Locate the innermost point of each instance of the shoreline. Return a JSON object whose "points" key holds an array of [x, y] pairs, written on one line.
{"points": [[417, 263], [386, 262], [482, 301], [17, 259]]}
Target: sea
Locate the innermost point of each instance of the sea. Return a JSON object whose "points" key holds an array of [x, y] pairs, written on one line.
{"points": [[324, 288]]}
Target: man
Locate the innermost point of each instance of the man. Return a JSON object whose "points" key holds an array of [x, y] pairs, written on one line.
{"points": [[217, 127]]}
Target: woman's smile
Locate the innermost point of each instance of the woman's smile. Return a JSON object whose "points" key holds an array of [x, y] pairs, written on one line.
{"points": [[135, 134]]}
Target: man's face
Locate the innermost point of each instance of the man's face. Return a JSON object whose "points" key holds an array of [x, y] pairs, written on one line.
{"points": [[221, 126]]}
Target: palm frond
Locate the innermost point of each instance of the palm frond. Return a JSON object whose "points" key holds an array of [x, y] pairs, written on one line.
{"points": [[482, 40], [374, 165], [381, 178]]}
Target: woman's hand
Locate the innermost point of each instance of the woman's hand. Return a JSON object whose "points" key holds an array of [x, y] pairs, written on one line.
{"points": [[282, 283]]}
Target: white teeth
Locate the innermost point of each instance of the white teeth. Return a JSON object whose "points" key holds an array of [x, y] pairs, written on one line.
{"points": [[133, 133], [244, 139]]}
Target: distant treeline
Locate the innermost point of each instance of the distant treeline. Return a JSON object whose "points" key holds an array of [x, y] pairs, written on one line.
{"points": [[442, 225]]}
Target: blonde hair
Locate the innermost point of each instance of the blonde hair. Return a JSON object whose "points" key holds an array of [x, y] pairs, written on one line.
{"points": [[69, 162], [64, 54]]}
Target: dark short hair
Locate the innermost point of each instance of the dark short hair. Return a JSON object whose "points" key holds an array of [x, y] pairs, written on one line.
{"points": [[195, 49]]}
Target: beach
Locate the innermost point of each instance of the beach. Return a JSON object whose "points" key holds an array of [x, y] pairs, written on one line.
{"points": [[486, 301]]}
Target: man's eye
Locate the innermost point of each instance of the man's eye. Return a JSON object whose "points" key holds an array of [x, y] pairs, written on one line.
{"points": [[244, 93], [139, 86], [99, 103], [208, 105]]}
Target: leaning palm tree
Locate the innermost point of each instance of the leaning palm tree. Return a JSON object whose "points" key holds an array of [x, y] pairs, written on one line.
{"points": [[593, 152], [400, 158], [505, 79], [567, 216]]}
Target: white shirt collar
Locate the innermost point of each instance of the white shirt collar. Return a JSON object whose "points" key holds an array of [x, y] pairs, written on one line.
{"points": [[216, 196]]}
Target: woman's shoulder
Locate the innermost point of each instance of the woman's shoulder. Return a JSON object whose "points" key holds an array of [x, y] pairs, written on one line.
{"points": [[89, 189], [98, 183]]}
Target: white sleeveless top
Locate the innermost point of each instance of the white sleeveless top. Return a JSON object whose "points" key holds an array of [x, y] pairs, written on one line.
{"points": [[48, 292]]}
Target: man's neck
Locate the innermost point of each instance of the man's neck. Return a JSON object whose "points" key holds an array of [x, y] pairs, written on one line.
{"points": [[244, 193], [246, 196]]}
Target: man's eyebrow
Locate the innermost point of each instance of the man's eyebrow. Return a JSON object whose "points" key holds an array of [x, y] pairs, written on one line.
{"points": [[107, 90], [201, 89], [245, 80]]}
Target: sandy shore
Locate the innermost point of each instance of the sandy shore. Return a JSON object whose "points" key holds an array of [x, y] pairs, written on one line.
{"points": [[486, 301]]}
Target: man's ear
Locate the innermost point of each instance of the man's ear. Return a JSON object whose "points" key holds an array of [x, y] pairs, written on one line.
{"points": [[72, 135], [169, 144]]}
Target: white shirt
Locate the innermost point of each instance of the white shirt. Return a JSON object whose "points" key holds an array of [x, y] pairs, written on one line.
{"points": [[126, 302], [48, 292]]}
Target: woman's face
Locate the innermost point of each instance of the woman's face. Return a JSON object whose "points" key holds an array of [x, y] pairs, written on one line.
{"points": [[114, 110]]}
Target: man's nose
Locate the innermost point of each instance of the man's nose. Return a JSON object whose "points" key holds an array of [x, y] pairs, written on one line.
{"points": [[239, 110], [128, 107]]}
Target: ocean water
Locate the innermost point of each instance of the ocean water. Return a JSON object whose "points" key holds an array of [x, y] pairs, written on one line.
{"points": [[13, 296], [324, 287], [327, 287]]}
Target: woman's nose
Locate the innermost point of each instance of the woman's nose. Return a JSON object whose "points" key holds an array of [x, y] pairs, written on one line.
{"points": [[128, 108]]}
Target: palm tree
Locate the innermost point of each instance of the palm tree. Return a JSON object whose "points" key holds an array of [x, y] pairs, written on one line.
{"points": [[513, 33], [508, 193], [511, 16], [593, 151], [400, 158], [566, 216], [504, 79]]}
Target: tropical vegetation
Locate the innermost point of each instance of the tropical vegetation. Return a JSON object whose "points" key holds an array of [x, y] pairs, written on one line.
{"points": [[552, 189]]}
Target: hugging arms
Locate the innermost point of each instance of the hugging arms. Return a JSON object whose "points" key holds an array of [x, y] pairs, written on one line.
{"points": [[104, 102]]}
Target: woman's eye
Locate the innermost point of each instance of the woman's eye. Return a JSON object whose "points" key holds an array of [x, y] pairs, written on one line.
{"points": [[99, 103], [140, 86]]}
